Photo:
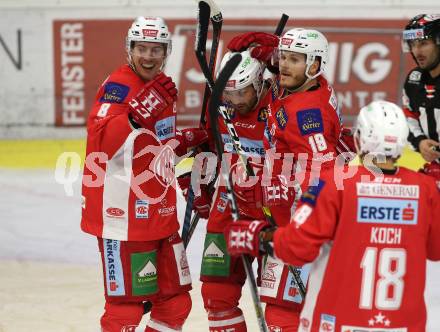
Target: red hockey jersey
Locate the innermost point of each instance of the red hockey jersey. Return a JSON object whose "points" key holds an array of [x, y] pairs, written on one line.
{"points": [[250, 129], [369, 243], [128, 183], [303, 128]]}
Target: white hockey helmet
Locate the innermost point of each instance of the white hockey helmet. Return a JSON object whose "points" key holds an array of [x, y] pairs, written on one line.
{"points": [[310, 42], [381, 129], [149, 29], [249, 71]]}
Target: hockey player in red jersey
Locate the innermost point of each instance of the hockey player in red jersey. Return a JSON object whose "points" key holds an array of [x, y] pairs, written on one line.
{"points": [[129, 197], [368, 235], [303, 130], [246, 97]]}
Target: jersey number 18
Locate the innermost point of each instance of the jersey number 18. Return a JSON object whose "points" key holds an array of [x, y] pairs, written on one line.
{"points": [[387, 290]]}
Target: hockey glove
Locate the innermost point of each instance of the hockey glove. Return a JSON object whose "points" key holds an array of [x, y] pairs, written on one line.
{"points": [[432, 169], [243, 236], [261, 45], [152, 100], [202, 202], [190, 138], [277, 194]]}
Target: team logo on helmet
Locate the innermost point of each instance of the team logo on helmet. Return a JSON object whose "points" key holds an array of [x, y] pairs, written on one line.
{"points": [[231, 84], [150, 32], [286, 41]]}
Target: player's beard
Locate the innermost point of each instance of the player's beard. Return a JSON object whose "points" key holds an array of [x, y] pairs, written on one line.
{"points": [[245, 109], [297, 83], [430, 65]]}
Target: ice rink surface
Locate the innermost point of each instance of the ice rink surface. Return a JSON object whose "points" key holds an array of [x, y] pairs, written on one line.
{"points": [[50, 274]]}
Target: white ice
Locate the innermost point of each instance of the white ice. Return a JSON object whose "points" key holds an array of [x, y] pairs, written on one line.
{"points": [[50, 277]]}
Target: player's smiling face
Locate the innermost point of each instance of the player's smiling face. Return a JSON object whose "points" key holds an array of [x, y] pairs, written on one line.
{"points": [[147, 59], [292, 69]]}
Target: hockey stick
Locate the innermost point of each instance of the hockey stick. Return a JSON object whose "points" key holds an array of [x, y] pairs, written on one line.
{"points": [[207, 10], [242, 155], [190, 231], [216, 99]]}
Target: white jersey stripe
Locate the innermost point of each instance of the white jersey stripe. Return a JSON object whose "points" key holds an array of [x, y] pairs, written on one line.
{"points": [[226, 322], [159, 326], [315, 282], [423, 118], [117, 190]]}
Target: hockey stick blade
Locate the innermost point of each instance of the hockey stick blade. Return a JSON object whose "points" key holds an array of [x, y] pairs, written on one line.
{"points": [[216, 14], [202, 28]]}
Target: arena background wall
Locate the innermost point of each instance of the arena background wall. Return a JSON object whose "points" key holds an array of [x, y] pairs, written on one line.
{"points": [[55, 54]]}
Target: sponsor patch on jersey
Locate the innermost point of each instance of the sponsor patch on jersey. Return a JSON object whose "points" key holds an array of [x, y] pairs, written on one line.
{"points": [[312, 193], [245, 125], [387, 190], [415, 76], [327, 323], [281, 117], [114, 93], [222, 202], [215, 260], [263, 114], [291, 292], [141, 209], [387, 211], [310, 121], [182, 264], [271, 276], [114, 212], [166, 210], [165, 128], [114, 275], [144, 273], [249, 146]]}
